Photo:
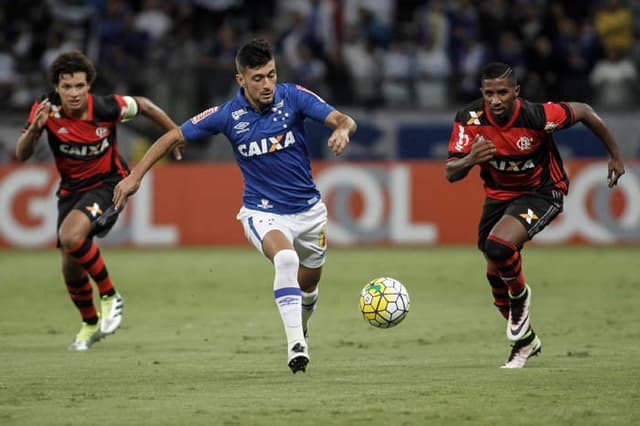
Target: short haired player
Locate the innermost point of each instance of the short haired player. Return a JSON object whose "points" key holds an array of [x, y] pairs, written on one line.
{"points": [[282, 214], [511, 140]]}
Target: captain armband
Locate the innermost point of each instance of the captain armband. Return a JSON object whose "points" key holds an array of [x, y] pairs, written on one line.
{"points": [[130, 109]]}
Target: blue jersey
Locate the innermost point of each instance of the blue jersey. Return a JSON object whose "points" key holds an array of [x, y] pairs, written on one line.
{"points": [[269, 147]]}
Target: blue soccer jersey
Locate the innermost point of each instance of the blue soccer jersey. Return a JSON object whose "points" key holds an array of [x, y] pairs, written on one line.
{"points": [[269, 147]]}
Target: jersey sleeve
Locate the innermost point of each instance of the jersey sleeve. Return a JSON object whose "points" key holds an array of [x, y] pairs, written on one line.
{"points": [[558, 115], [207, 123], [311, 105], [461, 137]]}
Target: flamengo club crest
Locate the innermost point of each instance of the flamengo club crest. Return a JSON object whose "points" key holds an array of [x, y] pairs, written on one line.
{"points": [[524, 143]]}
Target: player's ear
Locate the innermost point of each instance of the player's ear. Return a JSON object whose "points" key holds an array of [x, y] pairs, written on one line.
{"points": [[240, 80], [517, 90]]}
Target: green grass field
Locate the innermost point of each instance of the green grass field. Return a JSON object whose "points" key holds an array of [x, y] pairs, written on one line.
{"points": [[202, 343]]}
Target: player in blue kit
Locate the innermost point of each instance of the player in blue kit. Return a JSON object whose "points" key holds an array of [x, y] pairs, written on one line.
{"points": [[282, 214]]}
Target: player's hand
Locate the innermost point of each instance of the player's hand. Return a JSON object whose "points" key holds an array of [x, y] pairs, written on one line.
{"points": [[123, 190], [41, 115], [177, 153], [616, 169], [482, 150], [338, 141]]}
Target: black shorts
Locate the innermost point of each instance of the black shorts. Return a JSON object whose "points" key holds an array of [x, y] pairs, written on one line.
{"points": [[93, 203], [534, 211]]}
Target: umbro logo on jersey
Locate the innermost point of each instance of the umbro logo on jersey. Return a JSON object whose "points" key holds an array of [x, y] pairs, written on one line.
{"points": [[277, 106], [242, 127]]}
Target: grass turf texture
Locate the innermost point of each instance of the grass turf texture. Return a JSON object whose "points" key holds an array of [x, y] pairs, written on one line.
{"points": [[202, 343]]}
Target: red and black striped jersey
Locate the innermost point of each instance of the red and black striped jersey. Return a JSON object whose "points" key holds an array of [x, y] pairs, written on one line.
{"points": [[526, 159], [86, 151]]}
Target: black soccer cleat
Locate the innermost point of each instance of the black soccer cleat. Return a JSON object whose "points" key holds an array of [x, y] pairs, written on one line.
{"points": [[298, 358]]}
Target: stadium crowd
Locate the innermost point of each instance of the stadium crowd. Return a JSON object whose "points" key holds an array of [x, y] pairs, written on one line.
{"points": [[418, 54], [370, 53]]}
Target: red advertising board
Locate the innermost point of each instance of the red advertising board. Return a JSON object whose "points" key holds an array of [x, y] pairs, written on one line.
{"points": [[385, 203]]}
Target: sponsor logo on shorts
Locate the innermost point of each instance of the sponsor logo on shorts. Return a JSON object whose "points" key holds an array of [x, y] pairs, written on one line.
{"points": [[529, 216], [95, 209]]}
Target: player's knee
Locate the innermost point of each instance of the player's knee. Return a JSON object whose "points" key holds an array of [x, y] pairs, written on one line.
{"points": [[498, 250], [69, 240], [286, 260]]}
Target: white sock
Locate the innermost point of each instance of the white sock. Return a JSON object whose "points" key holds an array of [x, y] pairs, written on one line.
{"points": [[286, 292], [309, 303]]}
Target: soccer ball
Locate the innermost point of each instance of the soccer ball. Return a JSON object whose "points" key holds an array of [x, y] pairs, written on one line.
{"points": [[384, 302]]}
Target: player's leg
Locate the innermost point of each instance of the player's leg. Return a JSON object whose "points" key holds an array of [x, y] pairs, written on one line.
{"points": [[310, 232], [270, 235], [81, 293], [288, 295], [523, 219], [75, 237], [492, 212], [309, 279]]}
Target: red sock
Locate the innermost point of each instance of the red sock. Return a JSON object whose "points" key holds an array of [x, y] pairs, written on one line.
{"points": [[508, 263], [499, 291], [81, 294], [88, 255]]}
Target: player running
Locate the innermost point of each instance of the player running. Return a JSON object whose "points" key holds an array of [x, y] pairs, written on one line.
{"points": [[81, 130], [510, 139], [282, 214]]}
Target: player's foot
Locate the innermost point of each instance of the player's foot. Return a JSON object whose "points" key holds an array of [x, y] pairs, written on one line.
{"points": [[87, 336], [518, 323], [298, 357], [522, 350], [111, 313]]}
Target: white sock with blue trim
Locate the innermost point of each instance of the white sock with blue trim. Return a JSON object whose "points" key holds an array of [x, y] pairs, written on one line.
{"points": [[287, 294], [309, 302]]}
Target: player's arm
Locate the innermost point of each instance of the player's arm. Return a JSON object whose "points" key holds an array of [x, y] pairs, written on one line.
{"points": [[343, 127], [156, 114], [171, 140], [482, 150], [28, 139], [586, 115]]}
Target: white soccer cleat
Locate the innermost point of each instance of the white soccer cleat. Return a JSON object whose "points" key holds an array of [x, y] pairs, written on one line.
{"points": [[298, 357], [521, 352], [518, 323], [87, 336], [111, 313]]}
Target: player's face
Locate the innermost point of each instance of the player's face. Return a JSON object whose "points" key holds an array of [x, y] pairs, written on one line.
{"points": [[259, 84], [500, 95], [73, 90]]}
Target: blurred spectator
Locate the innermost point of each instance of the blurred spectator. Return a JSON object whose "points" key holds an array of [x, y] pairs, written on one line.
{"points": [[615, 81], [433, 71], [615, 24], [154, 19], [364, 63]]}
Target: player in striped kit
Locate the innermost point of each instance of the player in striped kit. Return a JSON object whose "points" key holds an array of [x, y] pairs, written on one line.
{"points": [[81, 130], [282, 214], [511, 140]]}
